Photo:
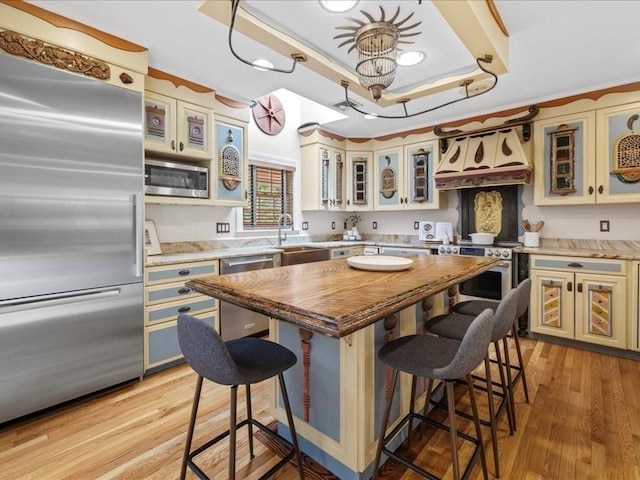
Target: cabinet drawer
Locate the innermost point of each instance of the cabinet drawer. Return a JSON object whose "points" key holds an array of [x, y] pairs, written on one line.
{"points": [[169, 311], [168, 292], [183, 272], [340, 253], [161, 341], [582, 264]]}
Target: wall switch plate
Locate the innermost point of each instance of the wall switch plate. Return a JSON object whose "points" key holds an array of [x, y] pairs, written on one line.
{"points": [[223, 227], [333, 225], [416, 225], [305, 225], [375, 225], [604, 225]]}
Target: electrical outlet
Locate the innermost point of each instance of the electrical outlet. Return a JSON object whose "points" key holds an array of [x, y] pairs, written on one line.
{"points": [[305, 225], [375, 225], [604, 225], [345, 224], [416, 225], [223, 227], [333, 225]]}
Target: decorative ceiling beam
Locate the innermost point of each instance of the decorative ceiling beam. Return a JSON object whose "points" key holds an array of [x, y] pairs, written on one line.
{"points": [[474, 22]]}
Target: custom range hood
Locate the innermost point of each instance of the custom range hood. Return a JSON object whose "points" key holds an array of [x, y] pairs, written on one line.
{"points": [[487, 157]]}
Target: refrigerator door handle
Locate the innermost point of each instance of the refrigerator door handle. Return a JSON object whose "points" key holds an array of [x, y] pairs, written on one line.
{"points": [[138, 232], [57, 299]]}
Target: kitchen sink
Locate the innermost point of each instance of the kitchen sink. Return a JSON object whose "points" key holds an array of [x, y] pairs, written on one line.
{"points": [[295, 255]]}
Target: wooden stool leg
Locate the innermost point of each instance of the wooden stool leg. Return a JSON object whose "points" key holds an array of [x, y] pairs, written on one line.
{"points": [[492, 416], [250, 425], [232, 432], [383, 425], [521, 363], [451, 406], [476, 421], [192, 424], [292, 427], [507, 362]]}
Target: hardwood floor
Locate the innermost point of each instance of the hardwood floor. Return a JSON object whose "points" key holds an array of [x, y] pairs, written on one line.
{"points": [[583, 422]]}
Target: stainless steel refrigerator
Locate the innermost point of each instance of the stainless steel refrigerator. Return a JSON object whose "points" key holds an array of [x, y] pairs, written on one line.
{"points": [[71, 292]]}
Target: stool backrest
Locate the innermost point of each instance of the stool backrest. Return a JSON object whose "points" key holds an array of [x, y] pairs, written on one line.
{"points": [[473, 348], [505, 315], [524, 296], [205, 351]]}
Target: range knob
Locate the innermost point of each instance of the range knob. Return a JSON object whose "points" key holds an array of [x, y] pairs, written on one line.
{"points": [[455, 250], [441, 250], [505, 253], [497, 253], [448, 250], [489, 253]]}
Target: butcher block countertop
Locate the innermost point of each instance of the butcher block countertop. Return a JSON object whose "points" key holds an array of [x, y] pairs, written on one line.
{"points": [[334, 299]]}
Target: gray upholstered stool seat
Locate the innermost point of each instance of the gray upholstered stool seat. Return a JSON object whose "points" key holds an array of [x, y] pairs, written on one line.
{"points": [[443, 359], [473, 307], [244, 361], [455, 326]]}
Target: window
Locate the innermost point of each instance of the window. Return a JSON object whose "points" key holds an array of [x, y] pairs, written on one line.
{"points": [[270, 195]]}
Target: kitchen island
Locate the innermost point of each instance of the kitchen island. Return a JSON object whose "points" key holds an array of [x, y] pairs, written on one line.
{"points": [[335, 318]]}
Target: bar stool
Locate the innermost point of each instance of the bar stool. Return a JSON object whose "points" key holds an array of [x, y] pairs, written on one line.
{"points": [[473, 307], [238, 362], [441, 359], [455, 326]]}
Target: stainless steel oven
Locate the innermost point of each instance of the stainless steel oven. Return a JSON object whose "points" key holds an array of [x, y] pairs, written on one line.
{"points": [[492, 284]]}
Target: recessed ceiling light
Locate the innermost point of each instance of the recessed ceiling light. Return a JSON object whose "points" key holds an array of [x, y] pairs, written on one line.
{"points": [[261, 62], [338, 6], [370, 116], [409, 58]]}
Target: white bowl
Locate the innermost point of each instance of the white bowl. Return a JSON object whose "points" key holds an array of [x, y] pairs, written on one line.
{"points": [[482, 238]]}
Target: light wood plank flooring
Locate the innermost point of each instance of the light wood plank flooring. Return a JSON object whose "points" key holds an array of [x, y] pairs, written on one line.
{"points": [[583, 422]]}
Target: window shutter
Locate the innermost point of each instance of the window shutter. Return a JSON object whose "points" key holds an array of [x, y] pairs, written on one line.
{"points": [[270, 195]]}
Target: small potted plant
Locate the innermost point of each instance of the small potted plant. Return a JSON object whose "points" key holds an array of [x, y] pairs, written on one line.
{"points": [[353, 219]]}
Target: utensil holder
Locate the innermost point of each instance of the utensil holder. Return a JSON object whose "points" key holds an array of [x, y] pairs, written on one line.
{"points": [[531, 239]]}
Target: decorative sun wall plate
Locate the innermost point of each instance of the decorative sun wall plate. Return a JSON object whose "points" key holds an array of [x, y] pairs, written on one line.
{"points": [[268, 114]]}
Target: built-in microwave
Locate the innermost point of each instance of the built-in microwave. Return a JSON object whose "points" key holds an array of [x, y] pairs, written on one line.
{"points": [[175, 179]]}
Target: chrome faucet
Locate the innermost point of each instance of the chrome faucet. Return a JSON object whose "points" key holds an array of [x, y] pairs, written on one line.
{"points": [[281, 217]]}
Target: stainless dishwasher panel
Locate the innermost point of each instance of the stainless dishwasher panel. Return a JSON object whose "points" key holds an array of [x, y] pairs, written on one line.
{"points": [[237, 322]]}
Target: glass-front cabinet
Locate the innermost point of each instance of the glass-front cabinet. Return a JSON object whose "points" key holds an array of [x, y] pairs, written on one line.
{"points": [[403, 177], [323, 169]]}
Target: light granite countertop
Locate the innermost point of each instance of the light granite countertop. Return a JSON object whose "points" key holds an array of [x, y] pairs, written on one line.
{"points": [[614, 249], [571, 247]]}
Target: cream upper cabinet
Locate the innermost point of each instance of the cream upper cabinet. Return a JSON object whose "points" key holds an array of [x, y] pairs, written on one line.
{"points": [[403, 177], [634, 306], [580, 298], [230, 167], [323, 173], [618, 154], [565, 166], [588, 157], [359, 181], [176, 127]]}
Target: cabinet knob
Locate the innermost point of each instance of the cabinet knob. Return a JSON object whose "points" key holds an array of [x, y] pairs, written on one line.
{"points": [[184, 309], [580, 288], [590, 190], [600, 189], [173, 144], [569, 286], [575, 265], [184, 291], [348, 202], [406, 200], [182, 273], [401, 200], [181, 146]]}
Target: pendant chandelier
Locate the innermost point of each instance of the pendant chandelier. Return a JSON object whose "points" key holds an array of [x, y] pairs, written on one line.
{"points": [[377, 45]]}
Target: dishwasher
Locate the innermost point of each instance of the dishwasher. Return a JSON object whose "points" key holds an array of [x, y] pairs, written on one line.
{"points": [[237, 322]]}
